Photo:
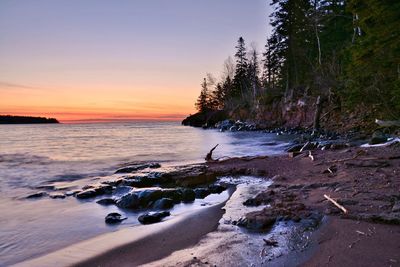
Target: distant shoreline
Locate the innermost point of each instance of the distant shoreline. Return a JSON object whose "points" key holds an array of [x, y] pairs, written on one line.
{"points": [[8, 119]]}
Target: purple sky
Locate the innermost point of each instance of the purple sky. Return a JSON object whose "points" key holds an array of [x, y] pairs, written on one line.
{"points": [[134, 52]]}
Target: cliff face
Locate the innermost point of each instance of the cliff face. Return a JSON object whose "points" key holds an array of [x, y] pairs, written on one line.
{"points": [[299, 112]]}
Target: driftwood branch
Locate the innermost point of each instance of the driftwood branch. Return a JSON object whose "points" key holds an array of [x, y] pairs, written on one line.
{"points": [[209, 154], [336, 204]]}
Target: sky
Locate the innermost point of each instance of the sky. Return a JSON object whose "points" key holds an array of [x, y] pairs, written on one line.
{"points": [[90, 60]]}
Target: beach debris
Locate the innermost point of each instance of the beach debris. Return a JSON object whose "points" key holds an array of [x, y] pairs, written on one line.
{"points": [[153, 217], [270, 242], [310, 155], [332, 170], [209, 154], [114, 217], [360, 233], [336, 204]]}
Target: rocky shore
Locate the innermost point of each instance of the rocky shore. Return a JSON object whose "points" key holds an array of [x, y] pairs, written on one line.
{"points": [[364, 181]]}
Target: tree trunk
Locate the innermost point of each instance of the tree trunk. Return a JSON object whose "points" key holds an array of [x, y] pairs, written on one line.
{"points": [[318, 110]]}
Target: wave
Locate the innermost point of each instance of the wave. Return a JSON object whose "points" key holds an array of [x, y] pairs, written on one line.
{"points": [[22, 159]]}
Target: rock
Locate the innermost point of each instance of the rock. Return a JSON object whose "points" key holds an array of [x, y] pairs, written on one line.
{"points": [[88, 193], [72, 193], [163, 204], [153, 217], [114, 218], [201, 193], [174, 194], [150, 195], [57, 196], [216, 189], [129, 201], [36, 195], [188, 195], [122, 190], [93, 191], [138, 167], [106, 201], [378, 138]]}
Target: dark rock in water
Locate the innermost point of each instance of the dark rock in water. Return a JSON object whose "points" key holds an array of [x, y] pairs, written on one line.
{"points": [[93, 191], [150, 195], [88, 193], [153, 217], [378, 138], [201, 192], [163, 204], [114, 217], [37, 195], [57, 196], [188, 195], [113, 182], [216, 189], [106, 201], [174, 194], [122, 190], [138, 167], [129, 201]]}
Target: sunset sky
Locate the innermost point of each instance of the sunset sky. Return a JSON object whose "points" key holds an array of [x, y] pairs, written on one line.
{"points": [[125, 59]]}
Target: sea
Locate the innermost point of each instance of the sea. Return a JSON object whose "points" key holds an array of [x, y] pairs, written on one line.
{"points": [[66, 156]]}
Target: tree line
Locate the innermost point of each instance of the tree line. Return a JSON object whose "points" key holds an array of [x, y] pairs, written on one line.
{"points": [[346, 51]]}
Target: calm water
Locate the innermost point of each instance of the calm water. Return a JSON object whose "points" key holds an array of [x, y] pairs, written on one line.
{"points": [[74, 154]]}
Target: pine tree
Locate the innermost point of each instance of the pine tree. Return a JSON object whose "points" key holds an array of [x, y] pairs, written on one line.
{"points": [[240, 81], [202, 103], [374, 69]]}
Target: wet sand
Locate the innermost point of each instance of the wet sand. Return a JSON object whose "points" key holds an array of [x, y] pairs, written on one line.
{"points": [[136, 245]]}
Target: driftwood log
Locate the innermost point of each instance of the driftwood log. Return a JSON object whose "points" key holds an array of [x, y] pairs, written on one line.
{"points": [[209, 154], [334, 202]]}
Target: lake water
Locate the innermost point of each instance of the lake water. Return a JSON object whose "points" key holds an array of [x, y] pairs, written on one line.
{"points": [[74, 154]]}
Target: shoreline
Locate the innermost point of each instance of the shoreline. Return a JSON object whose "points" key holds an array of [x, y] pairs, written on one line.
{"points": [[364, 180], [136, 245]]}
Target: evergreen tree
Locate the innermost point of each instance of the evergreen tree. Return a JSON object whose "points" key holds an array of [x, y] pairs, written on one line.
{"points": [[202, 103], [240, 81], [374, 68]]}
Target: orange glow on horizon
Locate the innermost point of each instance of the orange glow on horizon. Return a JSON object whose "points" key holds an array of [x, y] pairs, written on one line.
{"points": [[98, 105]]}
